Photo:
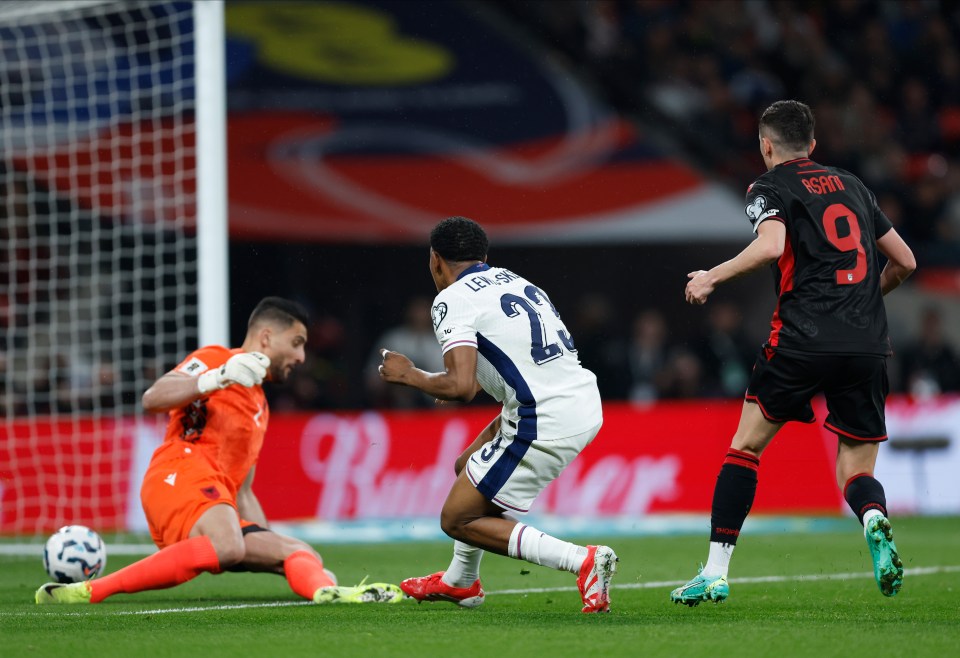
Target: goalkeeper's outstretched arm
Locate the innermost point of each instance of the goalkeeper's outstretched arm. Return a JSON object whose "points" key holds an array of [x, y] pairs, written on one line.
{"points": [[176, 389]]}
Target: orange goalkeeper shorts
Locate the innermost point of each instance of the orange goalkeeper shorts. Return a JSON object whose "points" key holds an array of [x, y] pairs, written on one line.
{"points": [[179, 486]]}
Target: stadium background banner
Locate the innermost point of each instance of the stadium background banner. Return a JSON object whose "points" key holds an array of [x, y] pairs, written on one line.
{"points": [[361, 466], [365, 122]]}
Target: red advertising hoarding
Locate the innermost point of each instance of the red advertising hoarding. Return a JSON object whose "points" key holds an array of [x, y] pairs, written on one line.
{"points": [[340, 466], [662, 459], [57, 472]]}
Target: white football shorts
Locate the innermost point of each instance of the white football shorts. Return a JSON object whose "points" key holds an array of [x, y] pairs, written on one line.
{"points": [[511, 472]]}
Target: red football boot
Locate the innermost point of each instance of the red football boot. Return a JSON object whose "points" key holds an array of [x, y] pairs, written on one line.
{"points": [[595, 576], [432, 588]]}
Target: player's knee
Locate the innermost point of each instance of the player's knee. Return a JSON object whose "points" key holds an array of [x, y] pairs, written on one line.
{"points": [[230, 552], [749, 444], [752, 449], [452, 524], [845, 474], [291, 546]]}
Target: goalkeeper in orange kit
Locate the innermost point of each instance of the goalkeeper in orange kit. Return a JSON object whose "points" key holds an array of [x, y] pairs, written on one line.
{"points": [[197, 492]]}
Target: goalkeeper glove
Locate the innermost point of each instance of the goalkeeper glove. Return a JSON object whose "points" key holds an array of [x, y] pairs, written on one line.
{"points": [[247, 369]]}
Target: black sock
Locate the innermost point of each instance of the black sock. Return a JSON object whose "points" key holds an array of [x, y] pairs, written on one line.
{"points": [[733, 496], [863, 492]]}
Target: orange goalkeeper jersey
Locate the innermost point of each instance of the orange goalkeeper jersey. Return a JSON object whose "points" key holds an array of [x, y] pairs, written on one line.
{"points": [[227, 426]]}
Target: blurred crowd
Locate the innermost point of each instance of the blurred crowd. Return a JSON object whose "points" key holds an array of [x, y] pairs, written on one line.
{"points": [[641, 361], [883, 79]]}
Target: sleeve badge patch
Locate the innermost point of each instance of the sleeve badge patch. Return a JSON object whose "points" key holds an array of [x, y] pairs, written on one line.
{"points": [[755, 209], [193, 367], [439, 312]]}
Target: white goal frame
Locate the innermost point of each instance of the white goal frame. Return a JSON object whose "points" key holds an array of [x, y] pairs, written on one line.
{"points": [[212, 228], [97, 223]]}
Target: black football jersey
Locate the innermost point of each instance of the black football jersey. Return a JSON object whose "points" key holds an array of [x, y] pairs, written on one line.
{"points": [[828, 278]]}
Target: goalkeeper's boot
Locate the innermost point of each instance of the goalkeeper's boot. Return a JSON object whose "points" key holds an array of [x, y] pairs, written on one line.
{"points": [[363, 593], [887, 565], [594, 578], [701, 588], [63, 593], [432, 588]]}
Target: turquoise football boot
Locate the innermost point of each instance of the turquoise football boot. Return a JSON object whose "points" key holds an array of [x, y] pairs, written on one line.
{"points": [[700, 589], [887, 565]]}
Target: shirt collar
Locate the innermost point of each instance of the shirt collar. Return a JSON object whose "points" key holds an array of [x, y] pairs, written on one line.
{"points": [[479, 267]]}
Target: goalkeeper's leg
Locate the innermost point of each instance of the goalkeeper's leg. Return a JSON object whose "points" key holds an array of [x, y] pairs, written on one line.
{"points": [[269, 552], [216, 543], [171, 566], [303, 568]]}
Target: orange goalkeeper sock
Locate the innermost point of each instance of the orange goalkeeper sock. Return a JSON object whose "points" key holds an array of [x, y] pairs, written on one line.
{"points": [[304, 572], [170, 566]]}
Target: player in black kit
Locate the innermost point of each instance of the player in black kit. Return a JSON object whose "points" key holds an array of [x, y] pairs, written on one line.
{"points": [[828, 334]]}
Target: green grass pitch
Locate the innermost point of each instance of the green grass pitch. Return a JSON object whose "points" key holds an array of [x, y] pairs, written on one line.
{"points": [[791, 595]]}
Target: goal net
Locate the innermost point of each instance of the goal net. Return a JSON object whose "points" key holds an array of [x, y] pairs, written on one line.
{"points": [[98, 247]]}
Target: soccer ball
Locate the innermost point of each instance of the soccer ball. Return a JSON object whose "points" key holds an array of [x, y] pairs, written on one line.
{"points": [[74, 553]]}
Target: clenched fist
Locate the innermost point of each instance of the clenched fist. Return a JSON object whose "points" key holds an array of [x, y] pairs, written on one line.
{"points": [[395, 366]]}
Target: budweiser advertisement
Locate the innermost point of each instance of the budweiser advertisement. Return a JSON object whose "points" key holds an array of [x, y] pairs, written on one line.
{"points": [[365, 466], [663, 459]]}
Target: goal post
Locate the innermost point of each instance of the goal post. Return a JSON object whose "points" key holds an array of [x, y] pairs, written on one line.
{"points": [[211, 69], [113, 241]]}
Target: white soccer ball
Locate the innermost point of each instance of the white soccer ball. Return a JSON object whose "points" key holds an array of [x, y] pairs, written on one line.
{"points": [[74, 553]]}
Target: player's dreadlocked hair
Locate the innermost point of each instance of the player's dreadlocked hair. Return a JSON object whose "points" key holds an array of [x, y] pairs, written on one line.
{"points": [[458, 239], [791, 123], [279, 311]]}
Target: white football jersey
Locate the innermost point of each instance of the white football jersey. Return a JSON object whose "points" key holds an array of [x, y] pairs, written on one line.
{"points": [[526, 358]]}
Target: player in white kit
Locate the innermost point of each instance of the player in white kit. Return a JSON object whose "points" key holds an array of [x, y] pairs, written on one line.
{"points": [[501, 333]]}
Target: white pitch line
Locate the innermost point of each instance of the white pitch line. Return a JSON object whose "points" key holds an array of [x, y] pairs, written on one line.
{"points": [[916, 571], [163, 611], [33, 550]]}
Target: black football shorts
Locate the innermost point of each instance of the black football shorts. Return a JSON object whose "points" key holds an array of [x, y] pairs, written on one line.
{"points": [[855, 387]]}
